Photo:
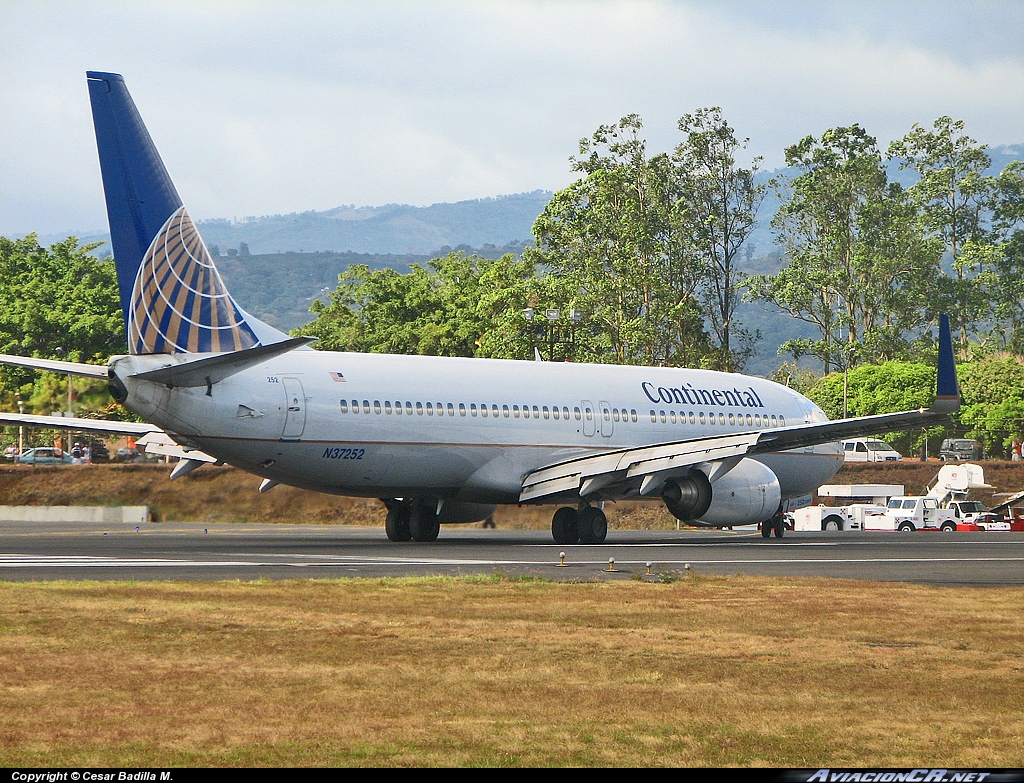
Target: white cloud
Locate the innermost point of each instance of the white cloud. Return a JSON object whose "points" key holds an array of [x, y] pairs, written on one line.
{"points": [[265, 107]]}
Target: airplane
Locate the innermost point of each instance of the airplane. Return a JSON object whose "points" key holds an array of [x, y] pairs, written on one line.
{"points": [[439, 440]]}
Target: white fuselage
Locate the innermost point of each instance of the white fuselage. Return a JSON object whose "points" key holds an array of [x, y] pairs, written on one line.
{"points": [[468, 429]]}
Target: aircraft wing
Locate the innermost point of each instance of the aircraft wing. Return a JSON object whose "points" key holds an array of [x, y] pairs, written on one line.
{"points": [[54, 365], [79, 425], [645, 469]]}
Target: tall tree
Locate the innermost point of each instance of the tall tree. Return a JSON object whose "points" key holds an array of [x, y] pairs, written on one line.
{"points": [[858, 263], [717, 201], [611, 239], [955, 194]]}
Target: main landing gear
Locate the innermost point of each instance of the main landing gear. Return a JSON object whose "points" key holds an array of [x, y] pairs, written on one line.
{"points": [[589, 525], [777, 524], [413, 520]]}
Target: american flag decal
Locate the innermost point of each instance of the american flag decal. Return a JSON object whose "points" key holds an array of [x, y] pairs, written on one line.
{"points": [[337, 377], [179, 302]]}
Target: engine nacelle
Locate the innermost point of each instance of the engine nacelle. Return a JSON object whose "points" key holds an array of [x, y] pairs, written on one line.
{"points": [[746, 495]]}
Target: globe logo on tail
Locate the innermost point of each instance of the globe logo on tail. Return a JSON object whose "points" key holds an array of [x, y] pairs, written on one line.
{"points": [[179, 302]]}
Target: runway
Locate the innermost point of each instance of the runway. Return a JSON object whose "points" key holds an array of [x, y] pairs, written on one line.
{"points": [[34, 551]]}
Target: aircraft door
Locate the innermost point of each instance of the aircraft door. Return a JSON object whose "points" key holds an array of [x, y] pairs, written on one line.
{"points": [[589, 419], [295, 409], [605, 422]]}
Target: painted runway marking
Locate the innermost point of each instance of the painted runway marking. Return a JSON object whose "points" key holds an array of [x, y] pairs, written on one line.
{"points": [[73, 561]]}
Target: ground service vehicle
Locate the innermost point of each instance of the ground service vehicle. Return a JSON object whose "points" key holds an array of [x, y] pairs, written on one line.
{"points": [[961, 450], [869, 450], [907, 514]]}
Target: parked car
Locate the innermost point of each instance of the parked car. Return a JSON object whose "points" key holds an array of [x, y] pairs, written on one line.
{"points": [[98, 452], [961, 450], [869, 450], [44, 456], [127, 454]]}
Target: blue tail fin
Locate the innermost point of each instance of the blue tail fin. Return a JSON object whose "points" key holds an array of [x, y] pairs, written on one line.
{"points": [[172, 297]]}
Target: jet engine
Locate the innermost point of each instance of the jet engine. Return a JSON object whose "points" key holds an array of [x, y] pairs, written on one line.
{"points": [[746, 495]]}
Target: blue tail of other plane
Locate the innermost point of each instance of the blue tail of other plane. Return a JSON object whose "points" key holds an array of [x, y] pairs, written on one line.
{"points": [[172, 297]]}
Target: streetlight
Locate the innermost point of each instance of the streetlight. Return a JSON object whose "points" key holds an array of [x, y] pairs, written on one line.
{"points": [[21, 427], [552, 314]]}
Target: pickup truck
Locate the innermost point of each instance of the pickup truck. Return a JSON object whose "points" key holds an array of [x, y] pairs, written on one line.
{"points": [[907, 514]]}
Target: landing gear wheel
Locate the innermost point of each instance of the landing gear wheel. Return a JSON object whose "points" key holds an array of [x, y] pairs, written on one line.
{"points": [[397, 523], [564, 527], [766, 529], [593, 525], [779, 525], [423, 524]]}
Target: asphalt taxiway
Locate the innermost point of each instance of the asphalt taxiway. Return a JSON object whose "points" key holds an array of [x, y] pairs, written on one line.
{"points": [[159, 551]]}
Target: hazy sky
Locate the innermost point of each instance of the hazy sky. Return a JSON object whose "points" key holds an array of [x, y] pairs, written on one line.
{"points": [[259, 108]]}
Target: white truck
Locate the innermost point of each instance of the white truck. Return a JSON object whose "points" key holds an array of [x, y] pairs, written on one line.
{"points": [[888, 507], [939, 509], [907, 514]]}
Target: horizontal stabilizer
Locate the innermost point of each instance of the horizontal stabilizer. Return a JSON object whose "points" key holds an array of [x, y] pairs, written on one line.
{"points": [[211, 369], [78, 425], [54, 365]]}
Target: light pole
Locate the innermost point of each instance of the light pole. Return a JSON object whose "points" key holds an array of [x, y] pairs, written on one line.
{"points": [[21, 427], [552, 314]]}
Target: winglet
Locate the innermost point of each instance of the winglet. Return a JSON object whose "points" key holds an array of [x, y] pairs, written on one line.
{"points": [[947, 391]]}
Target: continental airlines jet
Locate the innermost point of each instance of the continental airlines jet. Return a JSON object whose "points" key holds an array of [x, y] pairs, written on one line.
{"points": [[438, 440]]}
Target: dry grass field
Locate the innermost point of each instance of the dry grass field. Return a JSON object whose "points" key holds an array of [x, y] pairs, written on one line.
{"points": [[703, 671]]}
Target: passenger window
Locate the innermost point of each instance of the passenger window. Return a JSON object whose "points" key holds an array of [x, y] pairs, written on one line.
{"points": [[462, 410], [547, 414], [366, 406], [504, 411], [376, 407], [632, 413], [451, 409], [654, 417], [515, 411], [419, 408], [536, 412], [693, 419], [775, 421], [672, 416], [782, 421], [344, 406], [408, 409], [440, 409], [483, 411], [472, 410], [663, 417], [750, 420], [430, 409], [494, 410], [565, 414], [387, 407], [577, 412], [702, 417], [721, 419]]}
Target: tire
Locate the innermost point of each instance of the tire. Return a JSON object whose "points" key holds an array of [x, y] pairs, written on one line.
{"points": [[906, 527], [948, 527], [424, 525], [592, 525], [397, 523], [832, 523], [565, 526], [766, 529], [779, 526]]}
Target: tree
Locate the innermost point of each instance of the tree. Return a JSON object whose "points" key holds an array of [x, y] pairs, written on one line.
{"points": [[955, 194], [457, 305], [56, 303], [859, 267], [611, 242], [717, 201]]}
